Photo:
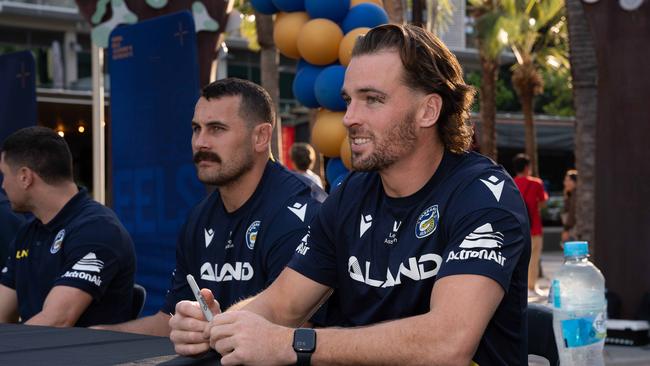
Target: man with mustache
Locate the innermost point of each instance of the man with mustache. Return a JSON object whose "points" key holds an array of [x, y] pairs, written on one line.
{"points": [[427, 244], [238, 239]]}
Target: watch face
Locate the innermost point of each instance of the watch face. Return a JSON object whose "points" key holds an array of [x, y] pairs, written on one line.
{"points": [[304, 340]]}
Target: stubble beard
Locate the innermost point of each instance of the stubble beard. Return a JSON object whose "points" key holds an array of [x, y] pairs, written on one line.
{"points": [[400, 138]]}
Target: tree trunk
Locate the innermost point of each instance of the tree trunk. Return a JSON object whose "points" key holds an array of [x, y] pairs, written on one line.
{"points": [[269, 59], [582, 56], [395, 10], [432, 14], [489, 74], [526, 98], [418, 8]]}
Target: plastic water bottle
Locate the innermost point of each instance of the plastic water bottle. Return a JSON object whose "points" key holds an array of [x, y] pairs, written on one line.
{"points": [[579, 308]]}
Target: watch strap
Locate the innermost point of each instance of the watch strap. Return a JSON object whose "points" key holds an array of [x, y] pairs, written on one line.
{"points": [[304, 358]]}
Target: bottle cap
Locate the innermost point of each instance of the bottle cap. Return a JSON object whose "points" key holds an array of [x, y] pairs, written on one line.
{"points": [[576, 249]]}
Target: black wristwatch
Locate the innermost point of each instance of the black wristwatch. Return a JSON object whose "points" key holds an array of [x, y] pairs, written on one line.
{"points": [[304, 343]]}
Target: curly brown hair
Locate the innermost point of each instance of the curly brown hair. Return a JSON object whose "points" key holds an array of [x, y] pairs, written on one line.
{"points": [[430, 67]]}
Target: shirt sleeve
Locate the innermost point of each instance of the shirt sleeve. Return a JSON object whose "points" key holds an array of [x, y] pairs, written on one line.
{"points": [[90, 264], [487, 242], [315, 255], [542, 196], [179, 289], [8, 270]]}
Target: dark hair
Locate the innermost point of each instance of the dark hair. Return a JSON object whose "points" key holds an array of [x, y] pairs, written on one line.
{"points": [[303, 155], [41, 150], [520, 162], [431, 68], [572, 174], [256, 105]]}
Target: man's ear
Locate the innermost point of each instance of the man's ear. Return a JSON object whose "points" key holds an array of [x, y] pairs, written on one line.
{"points": [[262, 137], [25, 176], [430, 110]]}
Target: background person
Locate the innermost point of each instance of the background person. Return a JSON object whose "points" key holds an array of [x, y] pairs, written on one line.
{"points": [[569, 207], [430, 269], [532, 190], [238, 239], [73, 263], [303, 157]]}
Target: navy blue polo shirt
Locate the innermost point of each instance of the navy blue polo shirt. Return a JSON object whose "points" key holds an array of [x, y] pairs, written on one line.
{"points": [[238, 254], [84, 246], [383, 255], [9, 224]]}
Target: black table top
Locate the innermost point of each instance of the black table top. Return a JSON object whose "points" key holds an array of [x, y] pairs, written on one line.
{"points": [[26, 345]]}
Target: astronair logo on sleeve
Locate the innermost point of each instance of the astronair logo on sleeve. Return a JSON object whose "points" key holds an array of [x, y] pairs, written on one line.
{"points": [[304, 245], [482, 243], [89, 263], [251, 234], [427, 222], [58, 241], [299, 210], [494, 185]]}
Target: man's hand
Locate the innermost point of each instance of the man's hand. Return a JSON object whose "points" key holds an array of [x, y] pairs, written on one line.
{"points": [[188, 325], [245, 338]]}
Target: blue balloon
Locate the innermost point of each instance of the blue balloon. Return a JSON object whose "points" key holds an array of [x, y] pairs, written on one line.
{"points": [[264, 6], [331, 9], [327, 88], [301, 63], [334, 170], [303, 85], [364, 15], [289, 5]]}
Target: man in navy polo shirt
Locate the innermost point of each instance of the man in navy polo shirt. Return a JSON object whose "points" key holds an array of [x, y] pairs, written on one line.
{"points": [[73, 263], [427, 244], [240, 237]]}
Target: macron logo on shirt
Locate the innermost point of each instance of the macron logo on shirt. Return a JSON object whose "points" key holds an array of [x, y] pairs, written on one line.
{"points": [[299, 210], [494, 185], [89, 263], [209, 234], [365, 224]]}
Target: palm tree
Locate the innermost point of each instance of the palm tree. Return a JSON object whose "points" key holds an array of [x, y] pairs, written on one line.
{"points": [[269, 59], [488, 16], [533, 30], [582, 56], [395, 10]]}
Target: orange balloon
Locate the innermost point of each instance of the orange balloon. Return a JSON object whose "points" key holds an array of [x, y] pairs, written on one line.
{"points": [[347, 44], [319, 41], [346, 153], [286, 30], [328, 133], [357, 2]]}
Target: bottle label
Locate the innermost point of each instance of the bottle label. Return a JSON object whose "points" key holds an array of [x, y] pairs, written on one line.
{"points": [[555, 294], [584, 331]]}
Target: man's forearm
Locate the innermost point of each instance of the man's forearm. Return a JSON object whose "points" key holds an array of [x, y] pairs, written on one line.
{"points": [[410, 341], [156, 325]]}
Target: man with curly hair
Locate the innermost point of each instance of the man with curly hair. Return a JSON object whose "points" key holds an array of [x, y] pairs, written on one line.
{"points": [[426, 243]]}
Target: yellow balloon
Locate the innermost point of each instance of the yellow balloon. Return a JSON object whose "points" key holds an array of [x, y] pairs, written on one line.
{"points": [[286, 31], [346, 153], [357, 2], [328, 133], [347, 44], [319, 41]]}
